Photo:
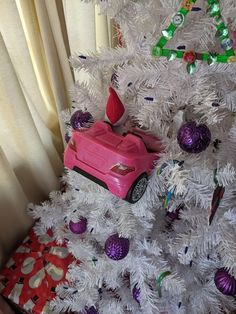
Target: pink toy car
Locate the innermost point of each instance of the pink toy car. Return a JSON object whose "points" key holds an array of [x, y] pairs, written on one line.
{"points": [[119, 163]]}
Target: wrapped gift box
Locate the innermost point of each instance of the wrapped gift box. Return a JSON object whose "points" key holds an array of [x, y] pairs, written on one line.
{"points": [[31, 275]]}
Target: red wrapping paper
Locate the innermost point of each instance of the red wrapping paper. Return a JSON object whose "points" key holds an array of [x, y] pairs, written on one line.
{"points": [[31, 275]]}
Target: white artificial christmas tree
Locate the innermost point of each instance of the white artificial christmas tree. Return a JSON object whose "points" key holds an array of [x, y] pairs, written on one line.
{"points": [[179, 252]]}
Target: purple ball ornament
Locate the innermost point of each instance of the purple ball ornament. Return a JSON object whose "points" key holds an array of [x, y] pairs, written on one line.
{"points": [[193, 138], [116, 248], [78, 227], [224, 282], [175, 214], [136, 293], [91, 310], [80, 119]]}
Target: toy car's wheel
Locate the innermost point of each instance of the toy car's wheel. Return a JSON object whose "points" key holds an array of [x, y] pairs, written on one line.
{"points": [[137, 189]]}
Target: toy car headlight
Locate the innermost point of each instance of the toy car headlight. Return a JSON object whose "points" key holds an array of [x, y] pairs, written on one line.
{"points": [[122, 169]]}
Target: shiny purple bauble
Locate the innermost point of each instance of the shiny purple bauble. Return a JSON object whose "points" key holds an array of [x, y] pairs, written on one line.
{"points": [[173, 215], [136, 293], [67, 137], [116, 248], [193, 138], [78, 227], [80, 119], [91, 310], [224, 282]]}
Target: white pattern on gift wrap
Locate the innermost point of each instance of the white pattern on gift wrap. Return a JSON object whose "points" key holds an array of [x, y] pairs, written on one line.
{"points": [[28, 265], [36, 280], [10, 263], [16, 292], [34, 273], [46, 309], [26, 239], [45, 239], [61, 252], [23, 249], [29, 305], [56, 273]]}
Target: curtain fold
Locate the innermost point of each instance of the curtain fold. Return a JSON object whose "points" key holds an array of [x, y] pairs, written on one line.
{"points": [[101, 28], [81, 29], [47, 49], [19, 136], [59, 72], [36, 39], [14, 220]]}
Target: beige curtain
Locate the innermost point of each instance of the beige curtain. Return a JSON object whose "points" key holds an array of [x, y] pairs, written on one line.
{"points": [[36, 39]]}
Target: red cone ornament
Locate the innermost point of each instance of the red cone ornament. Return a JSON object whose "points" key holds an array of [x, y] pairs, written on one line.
{"points": [[115, 110]]}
